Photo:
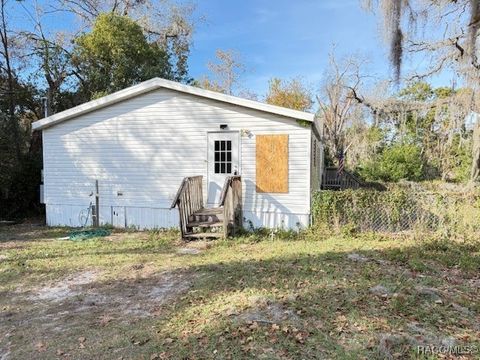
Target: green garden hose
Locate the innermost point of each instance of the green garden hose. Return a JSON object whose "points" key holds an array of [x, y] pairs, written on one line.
{"points": [[81, 235]]}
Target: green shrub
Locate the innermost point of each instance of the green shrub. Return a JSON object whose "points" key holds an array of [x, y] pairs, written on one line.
{"points": [[394, 163]]}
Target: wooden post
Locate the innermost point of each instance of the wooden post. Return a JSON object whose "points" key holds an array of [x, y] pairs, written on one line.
{"points": [[238, 215], [96, 222]]}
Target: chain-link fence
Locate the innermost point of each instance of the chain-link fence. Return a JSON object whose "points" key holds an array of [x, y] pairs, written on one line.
{"points": [[399, 209]]}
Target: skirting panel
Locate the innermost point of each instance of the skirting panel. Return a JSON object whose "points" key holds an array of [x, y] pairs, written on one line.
{"points": [[156, 218], [275, 220], [118, 216]]}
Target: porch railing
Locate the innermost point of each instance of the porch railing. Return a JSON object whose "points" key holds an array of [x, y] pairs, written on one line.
{"points": [[231, 200], [189, 198], [331, 179]]}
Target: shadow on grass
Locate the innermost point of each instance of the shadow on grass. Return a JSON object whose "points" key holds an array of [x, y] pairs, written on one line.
{"points": [[335, 313], [31, 232], [333, 298]]}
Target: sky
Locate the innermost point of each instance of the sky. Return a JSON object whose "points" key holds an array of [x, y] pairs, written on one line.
{"points": [[286, 39]]}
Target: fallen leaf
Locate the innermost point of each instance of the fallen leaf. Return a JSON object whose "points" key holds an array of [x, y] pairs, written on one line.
{"points": [[41, 346], [299, 337]]}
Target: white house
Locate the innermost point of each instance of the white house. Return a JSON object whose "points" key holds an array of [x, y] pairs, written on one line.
{"points": [[141, 142]]}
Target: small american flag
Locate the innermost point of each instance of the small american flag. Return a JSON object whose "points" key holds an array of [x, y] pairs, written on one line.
{"points": [[341, 163]]}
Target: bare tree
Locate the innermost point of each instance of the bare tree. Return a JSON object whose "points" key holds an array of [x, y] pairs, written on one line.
{"points": [[338, 103], [49, 55], [8, 71], [226, 70]]}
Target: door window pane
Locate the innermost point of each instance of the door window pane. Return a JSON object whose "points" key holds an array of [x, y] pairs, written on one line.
{"points": [[223, 157]]}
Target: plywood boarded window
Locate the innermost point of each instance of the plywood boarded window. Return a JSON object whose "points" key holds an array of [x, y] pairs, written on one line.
{"points": [[272, 163]]}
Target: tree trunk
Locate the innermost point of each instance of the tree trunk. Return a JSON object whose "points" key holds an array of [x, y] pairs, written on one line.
{"points": [[13, 124], [475, 173]]}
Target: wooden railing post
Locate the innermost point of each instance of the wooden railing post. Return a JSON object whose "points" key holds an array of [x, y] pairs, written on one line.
{"points": [[237, 204], [231, 199]]}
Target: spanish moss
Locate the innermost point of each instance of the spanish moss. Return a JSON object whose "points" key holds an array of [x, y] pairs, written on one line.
{"points": [[392, 13]]}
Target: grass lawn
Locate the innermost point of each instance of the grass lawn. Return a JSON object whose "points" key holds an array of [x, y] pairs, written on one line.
{"points": [[147, 295]]}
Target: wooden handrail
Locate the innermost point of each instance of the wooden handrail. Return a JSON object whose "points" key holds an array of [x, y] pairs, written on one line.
{"points": [[231, 200], [181, 188], [189, 198], [226, 185]]}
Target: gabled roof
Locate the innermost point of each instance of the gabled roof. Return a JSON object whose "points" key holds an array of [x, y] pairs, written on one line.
{"points": [[157, 83]]}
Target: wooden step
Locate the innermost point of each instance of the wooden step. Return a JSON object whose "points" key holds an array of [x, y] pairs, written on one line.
{"points": [[209, 211], [205, 223], [207, 214], [204, 235]]}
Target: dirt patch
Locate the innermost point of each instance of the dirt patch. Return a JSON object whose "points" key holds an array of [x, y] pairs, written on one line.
{"points": [[142, 297], [10, 245], [357, 258], [392, 345], [82, 293], [45, 321], [380, 290], [64, 289], [188, 251], [82, 303]]}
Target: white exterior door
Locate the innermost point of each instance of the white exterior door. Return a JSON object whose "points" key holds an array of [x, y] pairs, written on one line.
{"points": [[223, 161]]}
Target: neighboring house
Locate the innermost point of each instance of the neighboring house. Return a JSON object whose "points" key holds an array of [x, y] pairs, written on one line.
{"points": [[141, 142]]}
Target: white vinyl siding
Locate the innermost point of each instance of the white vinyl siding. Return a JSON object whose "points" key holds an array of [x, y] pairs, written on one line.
{"points": [[143, 147]]}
